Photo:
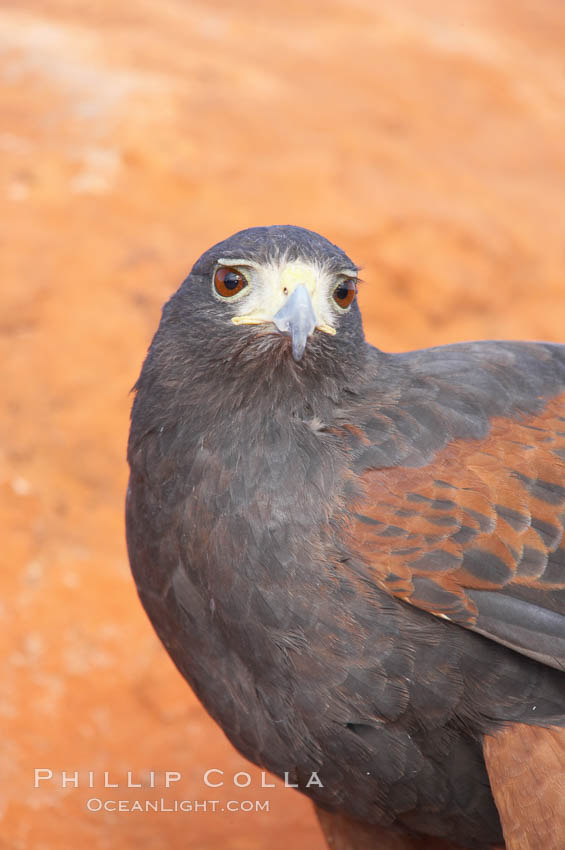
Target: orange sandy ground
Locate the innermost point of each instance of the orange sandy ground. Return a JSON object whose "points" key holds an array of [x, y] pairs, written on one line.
{"points": [[425, 137]]}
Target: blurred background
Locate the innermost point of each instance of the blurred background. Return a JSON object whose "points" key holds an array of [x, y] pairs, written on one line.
{"points": [[424, 137]]}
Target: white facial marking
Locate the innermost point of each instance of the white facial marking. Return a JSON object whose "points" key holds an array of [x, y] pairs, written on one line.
{"points": [[272, 284]]}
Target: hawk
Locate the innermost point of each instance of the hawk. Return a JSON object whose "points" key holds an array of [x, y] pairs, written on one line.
{"points": [[355, 558]]}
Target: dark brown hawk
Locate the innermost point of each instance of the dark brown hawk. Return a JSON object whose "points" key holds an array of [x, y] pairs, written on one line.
{"points": [[355, 558]]}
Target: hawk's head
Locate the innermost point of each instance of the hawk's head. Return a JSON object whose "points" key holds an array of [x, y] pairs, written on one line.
{"points": [[282, 281]]}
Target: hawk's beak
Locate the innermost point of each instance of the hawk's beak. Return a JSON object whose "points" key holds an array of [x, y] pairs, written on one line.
{"points": [[297, 318]]}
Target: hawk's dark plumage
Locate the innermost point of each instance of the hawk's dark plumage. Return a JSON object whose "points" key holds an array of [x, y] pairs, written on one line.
{"points": [[356, 559]]}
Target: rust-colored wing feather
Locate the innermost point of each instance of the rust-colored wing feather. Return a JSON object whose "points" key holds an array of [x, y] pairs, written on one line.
{"points": [[476, 535], [525, 767]]}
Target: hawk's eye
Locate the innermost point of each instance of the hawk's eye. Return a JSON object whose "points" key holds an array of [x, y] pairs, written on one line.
{"points": [[344, 293], [228, 282]]}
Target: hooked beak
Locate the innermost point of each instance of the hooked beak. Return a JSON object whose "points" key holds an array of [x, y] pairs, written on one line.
{"points": [[297, 318]]}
